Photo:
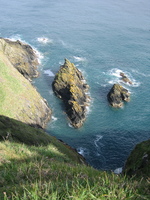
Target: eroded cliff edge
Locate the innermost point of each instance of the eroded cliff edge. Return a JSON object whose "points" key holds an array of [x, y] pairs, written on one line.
{"points": [[70, 86], [19, 99], [22, 56]]}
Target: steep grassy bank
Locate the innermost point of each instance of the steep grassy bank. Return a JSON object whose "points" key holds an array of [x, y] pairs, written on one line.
{"points": [[18, 98], [41, 167]]}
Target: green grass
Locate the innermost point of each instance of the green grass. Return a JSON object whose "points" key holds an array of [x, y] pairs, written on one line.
{"points": [[30, 172], [37, 166]]}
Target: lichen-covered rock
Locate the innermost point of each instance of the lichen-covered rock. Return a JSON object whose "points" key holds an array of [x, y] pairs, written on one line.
{"points": [[21, 56], [138, 163], [125, 79], [70, 86], [118, 95]]}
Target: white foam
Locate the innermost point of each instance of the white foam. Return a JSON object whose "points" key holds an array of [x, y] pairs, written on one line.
{"points": [[79, 59], [54, 118], [70, 125], [98, 137], [116, 78], [48, 72], [118, 170], [39, 55], [16, 37], [44, 40], [115, 72], [83, 151]]}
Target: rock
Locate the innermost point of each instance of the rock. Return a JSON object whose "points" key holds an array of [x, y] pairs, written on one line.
{"points": [[21, 56], [125, 78], [70, 86], [138, 162], [117, 95]]}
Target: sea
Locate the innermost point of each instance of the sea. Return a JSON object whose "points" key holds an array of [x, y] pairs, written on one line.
{"points": [[102, 38]]}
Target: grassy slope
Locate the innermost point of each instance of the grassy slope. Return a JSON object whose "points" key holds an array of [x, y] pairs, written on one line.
{"points": [[18, 98], [44, 168]]}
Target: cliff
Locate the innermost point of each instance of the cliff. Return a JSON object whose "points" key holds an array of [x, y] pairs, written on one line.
{"points": [[138, 163], [19, 99], [21, 56], [69, 85]]}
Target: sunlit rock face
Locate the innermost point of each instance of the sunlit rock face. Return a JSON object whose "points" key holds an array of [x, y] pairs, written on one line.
{"points": [[117, 95], [70, 86], [22, 57]]}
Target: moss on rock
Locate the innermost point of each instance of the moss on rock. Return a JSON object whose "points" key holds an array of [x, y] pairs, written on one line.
{"points": [[69, 85]]}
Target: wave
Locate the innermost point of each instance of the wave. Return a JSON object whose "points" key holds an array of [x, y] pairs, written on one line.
{"points": [[54, 118], [98, 138], [19, 37], [79, 59], [83, 151], [44, 40], [39, 55], [140, 73], [116, 78], [48, 72]]}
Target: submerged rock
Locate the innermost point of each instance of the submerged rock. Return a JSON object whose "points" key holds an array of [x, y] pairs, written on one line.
{"points": [[125, 78], [70, 86], [21, 56], [118, 95]]}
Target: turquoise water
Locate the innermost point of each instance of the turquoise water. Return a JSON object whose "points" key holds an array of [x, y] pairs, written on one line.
{"points": [[101, 38]]}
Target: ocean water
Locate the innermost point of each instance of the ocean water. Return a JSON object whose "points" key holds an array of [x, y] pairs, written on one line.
{"points": [[102, 38]]}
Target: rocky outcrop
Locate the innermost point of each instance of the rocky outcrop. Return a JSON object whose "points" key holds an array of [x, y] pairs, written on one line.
{"points": [[138, 163], [19, 99], [118, 95], [125, 79], [70, 86], [21, 56]]}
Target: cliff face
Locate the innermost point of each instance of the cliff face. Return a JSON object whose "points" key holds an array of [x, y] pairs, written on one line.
{"points": [[138, 163], [19, 99], [70, 86], [21, 56]]}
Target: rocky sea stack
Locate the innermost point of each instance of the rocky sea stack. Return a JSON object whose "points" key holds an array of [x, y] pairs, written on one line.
{"points": [[118, 95], [22, 57], [70, 86]]}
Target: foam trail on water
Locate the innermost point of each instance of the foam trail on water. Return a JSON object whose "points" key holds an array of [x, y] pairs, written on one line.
{"points": [[48, 72], [44, 40], [79, 59], [98, 138]]}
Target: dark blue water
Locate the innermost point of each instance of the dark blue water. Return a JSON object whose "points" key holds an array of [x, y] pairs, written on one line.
{"points": [[102, 38]]}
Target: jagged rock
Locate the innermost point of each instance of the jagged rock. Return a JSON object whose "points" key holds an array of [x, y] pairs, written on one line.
{"points": [[125, 78], [21, 56], [117, 95], [70, 86]]}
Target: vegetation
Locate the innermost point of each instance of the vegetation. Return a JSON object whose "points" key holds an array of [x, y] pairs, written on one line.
{"points": [[37, 166], [18, 98]]}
